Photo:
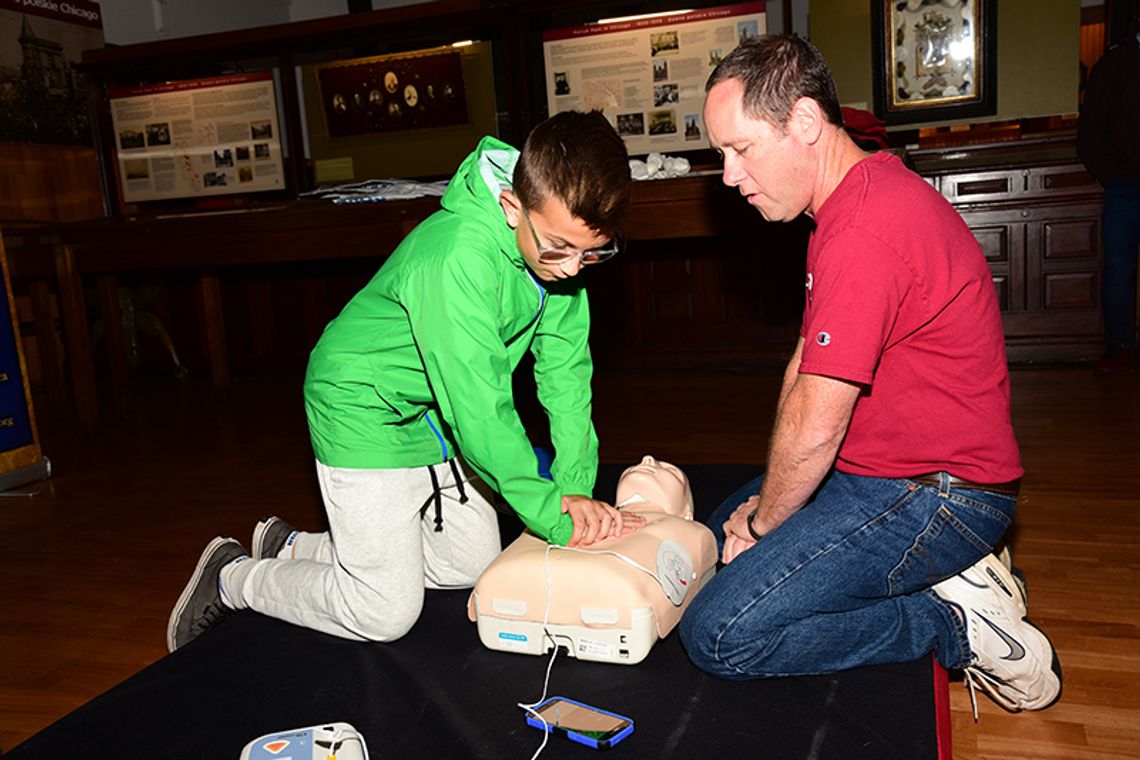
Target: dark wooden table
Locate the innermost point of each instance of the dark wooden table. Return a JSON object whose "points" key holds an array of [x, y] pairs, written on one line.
{"points": [[208, 242]]}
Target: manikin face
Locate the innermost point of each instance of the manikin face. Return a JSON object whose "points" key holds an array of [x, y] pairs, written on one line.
{"points": [[554, 227], [655, 485], [766, 164]]}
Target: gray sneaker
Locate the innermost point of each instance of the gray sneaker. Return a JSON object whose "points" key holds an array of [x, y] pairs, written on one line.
{"points": [[200, 605], [1013, 660], [270, 536]]}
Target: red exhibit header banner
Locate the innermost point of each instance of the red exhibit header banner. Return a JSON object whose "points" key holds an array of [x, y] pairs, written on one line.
{"points": [[74, 11], [655, 20], [188, 84]]}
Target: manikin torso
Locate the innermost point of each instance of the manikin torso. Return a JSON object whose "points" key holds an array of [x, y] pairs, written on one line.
{"points": [[661, 565]]}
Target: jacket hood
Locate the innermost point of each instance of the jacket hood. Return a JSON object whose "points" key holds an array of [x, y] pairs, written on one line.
{"points": [[476, 187]]}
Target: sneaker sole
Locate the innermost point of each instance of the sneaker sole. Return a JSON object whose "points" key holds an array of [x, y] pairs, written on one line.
{"points": [[188, 591], [1054, 665]]}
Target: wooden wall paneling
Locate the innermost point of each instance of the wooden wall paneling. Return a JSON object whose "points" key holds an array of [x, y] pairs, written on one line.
{"points": [[260, 314], [48, 348], [103, 135], [997, 240], [31, 266], [73, 309], [215, 332], [1070, 290], [314, 298], [114, 339], [1066, 245], [45, 183]]}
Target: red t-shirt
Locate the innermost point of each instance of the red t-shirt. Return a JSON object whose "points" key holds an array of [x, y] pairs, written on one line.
{"points": [[900, 300]]}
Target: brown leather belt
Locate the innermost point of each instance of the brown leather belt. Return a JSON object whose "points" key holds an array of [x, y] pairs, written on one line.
{"points": [[935, 479]]}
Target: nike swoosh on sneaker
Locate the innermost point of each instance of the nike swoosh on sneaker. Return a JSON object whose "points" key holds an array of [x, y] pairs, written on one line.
{"points": [[1016, 651]]}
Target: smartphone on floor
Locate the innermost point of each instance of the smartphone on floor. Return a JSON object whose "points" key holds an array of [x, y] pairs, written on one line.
{"points": [[579, 722]]}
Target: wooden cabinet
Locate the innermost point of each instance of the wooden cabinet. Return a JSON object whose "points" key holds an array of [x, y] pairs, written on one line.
{"points": [[707, 282], [1037, 218], [704, 282]]}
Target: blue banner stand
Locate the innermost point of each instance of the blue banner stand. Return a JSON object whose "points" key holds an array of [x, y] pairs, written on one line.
{"points": [[21, 460]]}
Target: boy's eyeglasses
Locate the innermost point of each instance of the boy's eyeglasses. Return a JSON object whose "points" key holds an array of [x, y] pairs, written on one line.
{"points": [[558, 255]]}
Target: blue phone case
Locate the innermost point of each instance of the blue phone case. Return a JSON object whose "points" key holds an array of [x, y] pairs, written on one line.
{"points": [[574, 736]]}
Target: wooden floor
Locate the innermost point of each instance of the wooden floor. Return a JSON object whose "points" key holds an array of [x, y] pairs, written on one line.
{"points": [[90, 566]]}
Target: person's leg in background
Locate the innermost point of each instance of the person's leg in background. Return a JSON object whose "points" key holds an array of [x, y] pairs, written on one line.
{"points": [[1121, 238]]}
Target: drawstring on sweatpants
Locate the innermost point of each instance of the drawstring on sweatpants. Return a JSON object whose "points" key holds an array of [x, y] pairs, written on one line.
{"points": [[458, 481], [437, 497]]}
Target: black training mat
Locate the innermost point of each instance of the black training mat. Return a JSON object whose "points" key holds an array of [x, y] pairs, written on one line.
{"points": [[437, 693]]}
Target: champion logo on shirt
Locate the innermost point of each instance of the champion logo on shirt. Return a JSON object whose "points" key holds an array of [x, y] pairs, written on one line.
{"points": [[823, 338], [809, 281]]}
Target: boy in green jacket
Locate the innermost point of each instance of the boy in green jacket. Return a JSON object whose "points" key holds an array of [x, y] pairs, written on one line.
{"points": [[415, 371]]}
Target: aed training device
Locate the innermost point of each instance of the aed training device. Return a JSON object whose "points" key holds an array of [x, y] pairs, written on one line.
{"points": [[327, 741], [578, 722]]}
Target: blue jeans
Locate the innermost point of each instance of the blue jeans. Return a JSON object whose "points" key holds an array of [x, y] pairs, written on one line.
{"points": [[1121, 237], [845, 581]]}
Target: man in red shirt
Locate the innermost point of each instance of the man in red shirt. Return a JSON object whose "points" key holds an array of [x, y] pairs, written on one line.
{"points": [[893, 469]]}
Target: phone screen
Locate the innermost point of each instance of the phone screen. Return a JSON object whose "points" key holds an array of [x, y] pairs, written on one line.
{"points": [[582, 720]]}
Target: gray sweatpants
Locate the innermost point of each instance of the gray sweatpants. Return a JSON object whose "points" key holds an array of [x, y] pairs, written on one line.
{"points": [[365, 578]]}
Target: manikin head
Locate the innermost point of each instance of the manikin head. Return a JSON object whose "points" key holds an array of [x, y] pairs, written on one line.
{"points": [[653, 486]]}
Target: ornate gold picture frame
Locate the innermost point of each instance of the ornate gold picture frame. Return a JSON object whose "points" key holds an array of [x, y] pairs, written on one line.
{"points": [[934, 60]]}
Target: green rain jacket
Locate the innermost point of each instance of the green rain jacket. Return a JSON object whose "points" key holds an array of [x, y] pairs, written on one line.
{"points": [[417, 367]]}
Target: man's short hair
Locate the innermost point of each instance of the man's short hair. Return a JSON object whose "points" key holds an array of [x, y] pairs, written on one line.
{"points": [[579, 159], [776, 70]]}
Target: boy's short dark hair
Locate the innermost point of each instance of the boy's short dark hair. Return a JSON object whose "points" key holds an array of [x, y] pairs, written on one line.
{"points": [[776, 70], [579, 159]]}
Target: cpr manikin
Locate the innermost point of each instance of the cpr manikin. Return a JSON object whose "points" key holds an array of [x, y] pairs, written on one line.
{"points": [[610, 601]]}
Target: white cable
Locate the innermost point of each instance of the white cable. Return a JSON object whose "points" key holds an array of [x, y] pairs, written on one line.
{"points": [[553, 654], [546, 621], [628, 560]]}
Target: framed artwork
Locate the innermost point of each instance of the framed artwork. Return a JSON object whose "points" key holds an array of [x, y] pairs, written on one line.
{"points": [[934, 60], [389, 93]]}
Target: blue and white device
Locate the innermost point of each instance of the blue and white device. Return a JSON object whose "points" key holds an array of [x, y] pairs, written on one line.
{"points": [[322, 742]]}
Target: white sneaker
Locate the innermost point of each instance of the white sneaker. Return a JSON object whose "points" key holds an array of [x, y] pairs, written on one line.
{"points": [[1013, 660], [1007, 560]]}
